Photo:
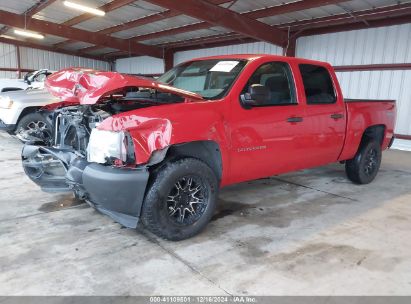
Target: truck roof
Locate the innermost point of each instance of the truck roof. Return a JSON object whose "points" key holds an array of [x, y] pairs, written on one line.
{"points": [[251, 57]]}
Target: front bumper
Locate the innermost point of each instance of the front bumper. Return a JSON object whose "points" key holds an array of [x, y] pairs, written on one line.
{"points": [[116, 192], [7, 127]]}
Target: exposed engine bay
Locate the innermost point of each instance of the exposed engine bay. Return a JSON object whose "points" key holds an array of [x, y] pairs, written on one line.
{"points": [[76, 139], [72, 125]]}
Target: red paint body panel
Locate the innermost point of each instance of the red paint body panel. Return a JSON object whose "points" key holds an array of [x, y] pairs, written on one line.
{"points": [[86, 86], [361, 115], [254, 143]]}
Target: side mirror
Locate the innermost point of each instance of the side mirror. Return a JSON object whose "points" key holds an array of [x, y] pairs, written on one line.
{"points": [[257, 95]]}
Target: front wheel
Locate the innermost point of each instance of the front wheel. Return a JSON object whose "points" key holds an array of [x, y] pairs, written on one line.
{"points": [[181, 200], [363, 168], [34, 126]]}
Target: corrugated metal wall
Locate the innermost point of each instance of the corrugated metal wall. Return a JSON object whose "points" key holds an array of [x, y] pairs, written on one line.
{"points": [[151, 65], [245, 48], [38, 59], [391, 44], [370, 46], [8, 59], [382, 85], [140, 65]]}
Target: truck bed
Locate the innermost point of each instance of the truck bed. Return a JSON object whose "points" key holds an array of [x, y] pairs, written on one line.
{"points": [[368, 100], [362, 114]]}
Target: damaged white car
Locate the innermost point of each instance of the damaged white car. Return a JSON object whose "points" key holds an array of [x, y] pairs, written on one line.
{"points": [[19, 114]]}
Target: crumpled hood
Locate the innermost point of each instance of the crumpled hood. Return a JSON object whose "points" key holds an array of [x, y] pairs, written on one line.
{"points": [[87, 86]]}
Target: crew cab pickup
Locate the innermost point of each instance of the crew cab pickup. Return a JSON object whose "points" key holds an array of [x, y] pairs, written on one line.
{"points": [[158, 150]]}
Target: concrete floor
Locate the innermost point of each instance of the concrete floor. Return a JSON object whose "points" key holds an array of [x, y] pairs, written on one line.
{"points": [[306, 233]]}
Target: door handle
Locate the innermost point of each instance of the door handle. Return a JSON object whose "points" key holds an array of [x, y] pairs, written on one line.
{"points": [[336, 116], [294, 119]]}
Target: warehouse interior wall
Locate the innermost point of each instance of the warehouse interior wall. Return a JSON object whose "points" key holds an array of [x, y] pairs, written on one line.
{"points": [[34, 59], [39, 59], [245, 48], [144, 65], [383, 45], [8, 59]]}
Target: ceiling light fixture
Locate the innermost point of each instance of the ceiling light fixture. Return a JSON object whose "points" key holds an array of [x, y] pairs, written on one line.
{"points": [[28, 34], [84, 8]]}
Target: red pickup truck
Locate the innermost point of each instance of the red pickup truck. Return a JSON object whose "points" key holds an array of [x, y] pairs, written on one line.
{"points": [[159, 150]]}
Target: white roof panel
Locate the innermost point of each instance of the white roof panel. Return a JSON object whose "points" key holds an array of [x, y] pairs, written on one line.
{"points": [[241, 6], [121, 15], [328, 10], [59, 13], [18, 7], [102, 51], [186, 36], [161, 25], [77, 46], [48, 39]]}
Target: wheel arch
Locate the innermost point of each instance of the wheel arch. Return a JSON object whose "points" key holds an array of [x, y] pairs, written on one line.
{"points": [[207, 151], [27, 110], [375, 132]]}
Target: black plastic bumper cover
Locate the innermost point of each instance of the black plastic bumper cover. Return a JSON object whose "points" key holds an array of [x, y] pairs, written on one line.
{"points": [[6, 127], [116, 192]]}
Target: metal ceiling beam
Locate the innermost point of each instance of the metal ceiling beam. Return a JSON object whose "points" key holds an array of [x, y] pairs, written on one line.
{"points": [[375, 13], [260, 13], [46, 48], [143, 21], [90, 49], [210, 44], [40, 5], [108, 7], [289, 8], [149, 19], [229, 19], [357, 25], [115, 54], [203, 40], [395, 14], [68, 32]]}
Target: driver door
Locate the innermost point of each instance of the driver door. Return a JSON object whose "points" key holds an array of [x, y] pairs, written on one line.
{"points": [[267, 138]]}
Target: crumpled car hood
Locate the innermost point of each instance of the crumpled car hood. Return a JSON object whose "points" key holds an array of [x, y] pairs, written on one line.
{"points": [[87, 86]]}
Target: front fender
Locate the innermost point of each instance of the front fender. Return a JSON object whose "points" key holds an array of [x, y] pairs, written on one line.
{"points": [[156, 128]]}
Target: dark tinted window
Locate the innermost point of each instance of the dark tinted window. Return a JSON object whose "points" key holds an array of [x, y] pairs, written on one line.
{"points": [[277, 77], [318, 85]]}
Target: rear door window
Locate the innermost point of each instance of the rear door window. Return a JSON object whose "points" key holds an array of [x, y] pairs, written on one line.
{"points": [[318, 85]]}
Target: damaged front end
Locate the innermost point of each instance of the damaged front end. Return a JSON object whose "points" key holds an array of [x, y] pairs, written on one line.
{"points": [[65, 166], [99, 166]]}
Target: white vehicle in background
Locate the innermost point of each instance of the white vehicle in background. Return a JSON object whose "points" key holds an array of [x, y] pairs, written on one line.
{"points": [[34, 80], [19, 114]]}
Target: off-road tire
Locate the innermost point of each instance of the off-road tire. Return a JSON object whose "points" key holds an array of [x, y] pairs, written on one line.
{"points": [[155, 213], [359, 169]]}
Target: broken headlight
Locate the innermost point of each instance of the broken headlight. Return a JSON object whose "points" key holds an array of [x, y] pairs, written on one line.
{"points": [[109, 147]]}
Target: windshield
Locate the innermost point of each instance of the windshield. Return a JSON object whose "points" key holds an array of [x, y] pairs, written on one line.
{"points": [[29, 74], [209, 78]]}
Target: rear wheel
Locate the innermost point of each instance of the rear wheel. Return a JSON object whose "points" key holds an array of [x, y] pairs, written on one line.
{"points": [[33, 126], [363, 168], [181, 200]]}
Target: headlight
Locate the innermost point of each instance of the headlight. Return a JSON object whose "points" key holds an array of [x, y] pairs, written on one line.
{"points": [[5, 102], [109, 147]]}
